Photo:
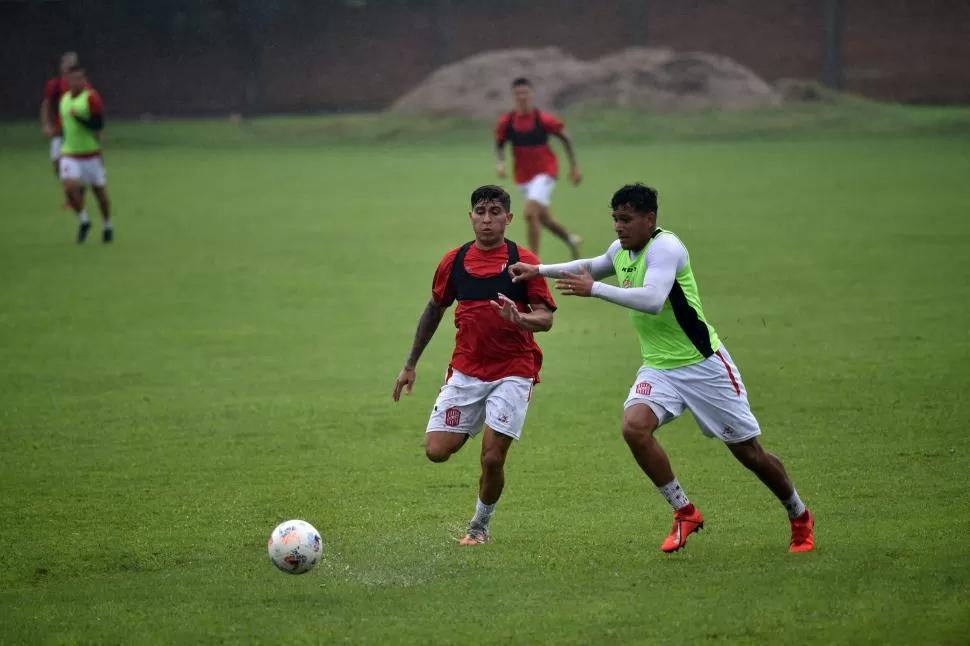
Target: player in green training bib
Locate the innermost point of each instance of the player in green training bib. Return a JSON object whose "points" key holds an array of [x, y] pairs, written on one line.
{"points": [[685, 366], [81, 165]]}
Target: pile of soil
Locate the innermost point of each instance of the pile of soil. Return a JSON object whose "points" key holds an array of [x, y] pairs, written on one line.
{"points": [[658, 80]]}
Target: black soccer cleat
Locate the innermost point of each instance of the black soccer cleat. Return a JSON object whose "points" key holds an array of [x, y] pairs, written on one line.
{"points": [[82, 232], [107, 236]]}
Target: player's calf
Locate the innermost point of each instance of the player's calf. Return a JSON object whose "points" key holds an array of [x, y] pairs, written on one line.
{"points": [[771, 472]]}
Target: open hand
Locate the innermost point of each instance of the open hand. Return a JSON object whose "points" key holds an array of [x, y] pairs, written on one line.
{"points": [[500, 169], [576, 284], [405, 381], [507, 309], [523, 271]]}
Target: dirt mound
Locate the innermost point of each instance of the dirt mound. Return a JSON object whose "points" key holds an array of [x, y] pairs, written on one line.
{"points": [[802, 90], [653, 79]]}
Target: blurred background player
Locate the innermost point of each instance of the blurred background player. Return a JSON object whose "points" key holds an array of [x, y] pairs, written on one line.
{"points": [[685, 365], [496, 359], [82, 120], [50, 116], [536, 166]]}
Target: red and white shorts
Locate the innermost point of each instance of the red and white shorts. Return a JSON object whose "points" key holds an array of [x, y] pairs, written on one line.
{"points": [[88, 171], [465, 403], [711, 389], [539, 189]]}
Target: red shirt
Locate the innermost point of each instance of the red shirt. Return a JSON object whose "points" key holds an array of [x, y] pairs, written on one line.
{"points": [[487, 346], [53, 91], [530, 160]]}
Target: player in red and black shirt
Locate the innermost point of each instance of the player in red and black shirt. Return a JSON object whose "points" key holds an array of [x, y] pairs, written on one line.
{"points": [[496, 359], [536, 168]]}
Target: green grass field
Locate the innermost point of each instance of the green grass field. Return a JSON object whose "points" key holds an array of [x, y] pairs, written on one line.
{"points": [[228, 363]]}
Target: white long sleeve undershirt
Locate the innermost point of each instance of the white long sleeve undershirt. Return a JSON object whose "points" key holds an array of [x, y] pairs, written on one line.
{"points": [[665, 257]]}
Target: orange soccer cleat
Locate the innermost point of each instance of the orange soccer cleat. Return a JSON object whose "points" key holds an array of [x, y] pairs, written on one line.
{"points": [[686, 521], [475, 536], [802, 533]]}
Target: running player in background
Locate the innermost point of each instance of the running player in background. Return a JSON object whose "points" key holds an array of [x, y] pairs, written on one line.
{"points": [[496, 359], [50, 116], [685, 365], [82, 119], [536, 166]]}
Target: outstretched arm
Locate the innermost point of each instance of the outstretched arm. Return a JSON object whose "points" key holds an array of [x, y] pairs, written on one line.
{"points": [[600, 267], [665, 257], [427, 325]]}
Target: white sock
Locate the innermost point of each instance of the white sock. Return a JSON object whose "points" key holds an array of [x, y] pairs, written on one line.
{"points": [[107, 225], [794, 505], [483, 514], [83, 216], [674, 494]]}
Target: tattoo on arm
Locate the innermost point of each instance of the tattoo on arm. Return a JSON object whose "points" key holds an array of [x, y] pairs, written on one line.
{"points": [[427, 325], [500, 151]]}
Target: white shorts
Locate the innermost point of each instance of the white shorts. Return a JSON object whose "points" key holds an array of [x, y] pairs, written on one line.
{"points": [[89, 171], [712, 390], [464, 403], [56, 143], [539, 189]]}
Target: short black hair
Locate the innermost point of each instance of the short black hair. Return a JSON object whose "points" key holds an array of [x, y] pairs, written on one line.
{"points": [[521, 81], [639, 197], [492, 193]]}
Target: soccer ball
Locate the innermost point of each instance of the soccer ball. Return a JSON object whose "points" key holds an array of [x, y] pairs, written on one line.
{"points": [[295, 546]]}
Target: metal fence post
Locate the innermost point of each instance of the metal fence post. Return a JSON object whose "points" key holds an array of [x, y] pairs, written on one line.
{"points": [[834, 19]]}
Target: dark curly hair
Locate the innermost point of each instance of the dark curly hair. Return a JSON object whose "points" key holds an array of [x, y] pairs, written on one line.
{"points": [[639, 197]]}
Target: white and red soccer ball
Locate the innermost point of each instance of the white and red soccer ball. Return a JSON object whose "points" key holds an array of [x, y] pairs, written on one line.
{"points": [[295, 546]]}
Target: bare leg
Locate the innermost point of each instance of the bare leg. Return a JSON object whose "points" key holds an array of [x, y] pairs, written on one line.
{"points": [[441, 445], [75, 195], [104, 204], [495, 448], [549, 222], [639, 424], [533, 214], [766, 466]]}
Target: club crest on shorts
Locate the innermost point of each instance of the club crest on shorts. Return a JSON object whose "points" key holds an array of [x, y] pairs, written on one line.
{"points": [[627, 283], [643, 388], [452, 417]]}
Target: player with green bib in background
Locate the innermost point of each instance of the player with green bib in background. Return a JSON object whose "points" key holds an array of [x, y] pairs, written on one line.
{"points": [[82, 119], [685, 365]]}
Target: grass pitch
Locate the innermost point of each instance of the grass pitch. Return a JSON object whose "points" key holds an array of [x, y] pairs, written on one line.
{"points": [[228, 363]]}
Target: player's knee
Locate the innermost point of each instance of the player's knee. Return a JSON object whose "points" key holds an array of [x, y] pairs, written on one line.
{"points": [[493, 460], [634, 432], [638, 425], [437, 453]]}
